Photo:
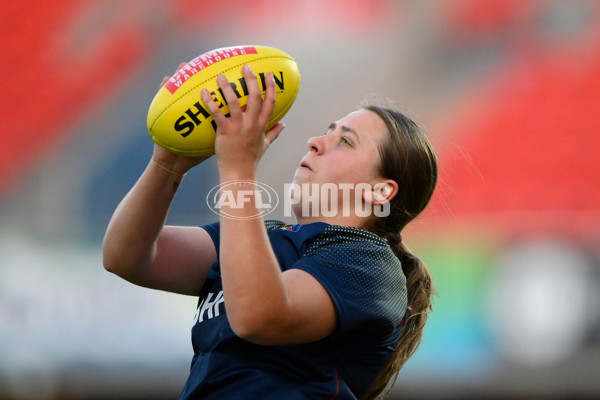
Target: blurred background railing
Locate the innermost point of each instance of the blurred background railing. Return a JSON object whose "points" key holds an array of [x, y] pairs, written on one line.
{"points": [[508, 90]]}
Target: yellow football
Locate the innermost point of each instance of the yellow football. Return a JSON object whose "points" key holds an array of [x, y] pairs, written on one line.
{"points": [[178, 119]]}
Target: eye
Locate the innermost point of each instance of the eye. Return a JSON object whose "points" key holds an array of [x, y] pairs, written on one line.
{"points": [[344, 139]]}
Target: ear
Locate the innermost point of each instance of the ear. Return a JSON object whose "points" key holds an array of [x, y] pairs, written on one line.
{"points": [[382, 192]]}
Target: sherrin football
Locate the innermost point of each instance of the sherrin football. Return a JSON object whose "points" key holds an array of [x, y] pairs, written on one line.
{"points": [[178, 119]]}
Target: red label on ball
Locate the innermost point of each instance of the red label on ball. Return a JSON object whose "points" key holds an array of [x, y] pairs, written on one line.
{"points": [[203, 61]]}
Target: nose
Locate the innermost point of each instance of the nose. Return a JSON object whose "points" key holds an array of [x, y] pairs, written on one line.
{"points": [[316, 145]]}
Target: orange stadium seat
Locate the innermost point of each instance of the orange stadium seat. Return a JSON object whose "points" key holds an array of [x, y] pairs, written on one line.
{"points": [[48, 80]]}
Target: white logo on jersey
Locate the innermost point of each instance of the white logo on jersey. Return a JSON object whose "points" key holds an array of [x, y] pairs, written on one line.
{"points": [[209, 309]]}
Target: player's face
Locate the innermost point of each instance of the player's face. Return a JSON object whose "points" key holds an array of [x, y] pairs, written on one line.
{"points": [[347, 154]]}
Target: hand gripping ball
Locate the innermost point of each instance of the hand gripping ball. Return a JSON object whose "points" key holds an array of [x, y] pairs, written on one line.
{"points": [[178, 119]]}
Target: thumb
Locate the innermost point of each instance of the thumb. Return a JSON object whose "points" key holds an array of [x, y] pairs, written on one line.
{"points": [[165, 80], [273, 133]]}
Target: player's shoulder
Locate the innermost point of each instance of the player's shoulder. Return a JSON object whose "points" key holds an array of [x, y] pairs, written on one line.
{"points": [[352, 246], [349, 237], [324, 234], [319, 235], [306, 231]]}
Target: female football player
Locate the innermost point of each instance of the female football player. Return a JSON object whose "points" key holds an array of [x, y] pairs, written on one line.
{"points": [[330, 307]]}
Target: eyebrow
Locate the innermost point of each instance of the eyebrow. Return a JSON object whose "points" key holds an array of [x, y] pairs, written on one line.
{"points": [[345, 128]]}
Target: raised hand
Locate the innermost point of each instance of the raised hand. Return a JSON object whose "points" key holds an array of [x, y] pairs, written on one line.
{"points": [[241, 138]]}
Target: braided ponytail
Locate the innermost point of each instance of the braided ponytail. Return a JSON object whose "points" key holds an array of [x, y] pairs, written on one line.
{"points": [[420, 290], [408, 158]]}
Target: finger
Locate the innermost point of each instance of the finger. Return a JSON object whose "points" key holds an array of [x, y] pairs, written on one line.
{"points": [[183, 64], [268, 105], [166, 78], [254, 95], [164, 81], [231, 99], [274, 132], [212, 107]]}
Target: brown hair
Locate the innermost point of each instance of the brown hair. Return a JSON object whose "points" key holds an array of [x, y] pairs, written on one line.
{"points": [[407, 157]]}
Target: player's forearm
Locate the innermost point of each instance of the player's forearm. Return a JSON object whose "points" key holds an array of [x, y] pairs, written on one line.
{"points": [[130, 239], [253, 287]]}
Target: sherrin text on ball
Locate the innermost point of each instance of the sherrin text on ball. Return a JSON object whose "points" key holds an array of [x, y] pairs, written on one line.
{"points": [[178, 119]]}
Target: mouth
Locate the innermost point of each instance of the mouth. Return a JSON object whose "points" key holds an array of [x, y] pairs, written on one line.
{"points": [[303, 164]]}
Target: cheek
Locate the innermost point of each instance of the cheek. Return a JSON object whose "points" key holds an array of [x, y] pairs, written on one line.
{"points": [[371, 165], [341, 173], [358, 169], [349, 167]]}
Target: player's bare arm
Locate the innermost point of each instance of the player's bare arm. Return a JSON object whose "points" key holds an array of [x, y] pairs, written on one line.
{"points": [[139, 248], [263, 304]]}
